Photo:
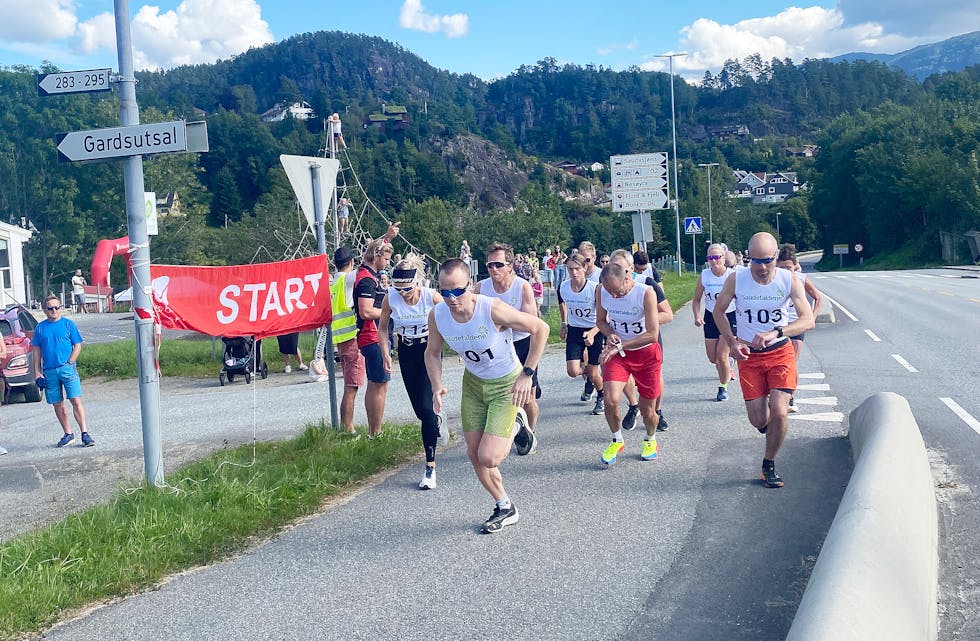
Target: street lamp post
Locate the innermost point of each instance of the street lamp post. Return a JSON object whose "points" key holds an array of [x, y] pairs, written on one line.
{"points": [[711, 225], [673, 128], [778, 214]]}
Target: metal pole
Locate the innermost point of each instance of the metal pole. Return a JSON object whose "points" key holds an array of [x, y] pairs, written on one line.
{"points": [[139, 245], [778, 235], [711, 224], [332, 146], [673, 128], [694, 253], [321, 247]]}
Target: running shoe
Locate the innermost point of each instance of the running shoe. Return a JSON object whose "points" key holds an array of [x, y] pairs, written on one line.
{"points": [[500, 519], [304, 368], [443, 430], [792, 405], [649, 452], [3, 450], [600, 406], [612, 451], [587, 392], [722, 394], [428, 481], [769, 477], [287, 370], [537, 392], [731, 364], [629, 421], [524, 439], [66, 439], [763, 429], [662, 424], [87, 440]]}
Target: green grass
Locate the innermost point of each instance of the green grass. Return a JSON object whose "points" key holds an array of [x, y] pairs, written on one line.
{"points": [[131, 543]]}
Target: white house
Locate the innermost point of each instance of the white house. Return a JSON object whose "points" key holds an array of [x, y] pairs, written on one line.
{"points": [[298, 110], [12, 281]]}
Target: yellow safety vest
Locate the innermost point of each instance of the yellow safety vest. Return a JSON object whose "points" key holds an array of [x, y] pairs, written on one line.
{"points": [[344, 324]]}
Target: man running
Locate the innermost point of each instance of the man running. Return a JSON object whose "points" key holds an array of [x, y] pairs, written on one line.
{"points": [[576, 305], [761, 345], [495, 385], [516, 292], [710, 282], [626, 312], [789, 260]]}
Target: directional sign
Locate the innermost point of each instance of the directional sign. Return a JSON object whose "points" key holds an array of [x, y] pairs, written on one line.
{"points": [[632, 160], [90, 80], [692, 225], [649, 182], [841, 248], [136, 140], [639, 200], [640, 172], [639, 182]]}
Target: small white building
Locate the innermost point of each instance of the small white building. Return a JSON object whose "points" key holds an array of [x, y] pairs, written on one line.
{"points": [[297, 110], [12, 282]]}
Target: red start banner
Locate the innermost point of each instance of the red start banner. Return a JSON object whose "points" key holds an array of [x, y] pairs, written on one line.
{"points": [[262, 300]]}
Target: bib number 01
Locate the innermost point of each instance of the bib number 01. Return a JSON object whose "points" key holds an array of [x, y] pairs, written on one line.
{"points": [[476, 356]]}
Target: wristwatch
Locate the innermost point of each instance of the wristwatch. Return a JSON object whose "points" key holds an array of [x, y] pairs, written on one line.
{"points": [[779, 331], [527, 371]]}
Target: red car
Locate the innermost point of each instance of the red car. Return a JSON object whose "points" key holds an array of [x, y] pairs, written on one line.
{"points": [[17, 326]]}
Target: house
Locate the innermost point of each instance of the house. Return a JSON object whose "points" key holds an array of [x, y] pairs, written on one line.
{"points": [[596, 167], [169, 205], [13, 287], [567, 165], [765, 188], [806, 151], [297, 110], [396, 114]]}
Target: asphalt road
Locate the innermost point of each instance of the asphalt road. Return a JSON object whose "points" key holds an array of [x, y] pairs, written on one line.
{"points": [[916, 333], [687, 547]]}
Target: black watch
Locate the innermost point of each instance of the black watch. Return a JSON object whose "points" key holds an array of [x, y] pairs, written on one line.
{"points": [[528, 372], [779, 331]]}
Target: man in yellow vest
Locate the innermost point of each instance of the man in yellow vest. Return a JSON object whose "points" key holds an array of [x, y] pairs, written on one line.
{"points": [[344, 328]]}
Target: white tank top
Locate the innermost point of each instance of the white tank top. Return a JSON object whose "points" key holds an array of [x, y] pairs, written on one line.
{"points": [[514, 296], [792, 308], [626, 315], [712, 287], [594, 276], [486, 351], [580, 305], [761, 307], [410, 321]]}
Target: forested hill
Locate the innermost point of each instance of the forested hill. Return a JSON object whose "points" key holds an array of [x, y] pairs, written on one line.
{"points": [[953, 54], [469, 157]]}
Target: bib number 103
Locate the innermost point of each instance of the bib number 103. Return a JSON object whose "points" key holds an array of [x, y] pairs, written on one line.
{"points": [[764, 316]]}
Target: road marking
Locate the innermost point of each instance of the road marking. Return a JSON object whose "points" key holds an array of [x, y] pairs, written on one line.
{"points": [[815, 387], [975, 300], [841, 307], [863, 275], [884, 275], [946, 294], [872, 335], [904, 363], [817, 375], [925, 275], [959, 411], [903, 275], [817, 400], [819, 277], [826, 417], [949, 276]]}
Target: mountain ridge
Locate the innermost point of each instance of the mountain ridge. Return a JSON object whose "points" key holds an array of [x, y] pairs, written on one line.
{"points": [[953, 54]]}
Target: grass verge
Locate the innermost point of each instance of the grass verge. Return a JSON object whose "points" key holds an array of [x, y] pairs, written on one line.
{"points": [[139, 538]]}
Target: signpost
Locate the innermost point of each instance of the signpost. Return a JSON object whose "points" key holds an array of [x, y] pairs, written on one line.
{"points": [[136, 140], [640, 183], [858, 247], [840, 250], [692, 227], [87, 81]]}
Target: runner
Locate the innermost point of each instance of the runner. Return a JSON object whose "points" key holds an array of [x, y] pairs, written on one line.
{"points": [[588, 252], [767, 367], [710, 282], [407, 305], [576, 305], [626, 312], [516, 292], [788, 260], [495, 386]]}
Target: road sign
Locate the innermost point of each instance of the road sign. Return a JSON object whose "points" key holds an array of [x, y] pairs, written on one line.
{"points": [[841, 249], [89, 80], [301, 178], [639, 182], [859, 248], [136, 140], [692, 225]]}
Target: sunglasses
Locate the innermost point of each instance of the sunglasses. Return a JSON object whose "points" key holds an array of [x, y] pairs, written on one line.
{"points": [[588, 260], [496, 265], [605, 261], [762, 261], [454, 293], [407, 288], [53, 309], [715, 257]]}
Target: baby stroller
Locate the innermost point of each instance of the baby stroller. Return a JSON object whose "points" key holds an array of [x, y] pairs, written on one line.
{"points": [[243, 355]]}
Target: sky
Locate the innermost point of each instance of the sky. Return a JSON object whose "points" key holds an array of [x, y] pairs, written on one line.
{"points": [[489, 39]]}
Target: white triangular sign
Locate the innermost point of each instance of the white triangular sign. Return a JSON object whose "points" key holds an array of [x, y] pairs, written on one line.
{"points": [[301, 178]]}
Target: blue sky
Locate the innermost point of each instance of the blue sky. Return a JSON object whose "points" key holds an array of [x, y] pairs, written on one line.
{"points": [[488, 39]]}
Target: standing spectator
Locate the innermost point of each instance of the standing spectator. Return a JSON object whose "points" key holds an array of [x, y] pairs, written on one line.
{"points": [[336, 131], [549, 269], [56, 345], [465, 254], [343, 216], [560, 258], [537, 287], [78, 284], [344, 326], [289, 348]]}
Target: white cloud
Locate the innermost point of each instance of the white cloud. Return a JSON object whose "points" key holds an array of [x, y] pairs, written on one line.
{"points": [[37, 21], [413, 16], [97, 33], [198, 31]]}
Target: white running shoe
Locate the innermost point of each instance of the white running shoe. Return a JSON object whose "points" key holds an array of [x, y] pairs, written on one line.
{"points": [[428, 481], [443, 430], [288, 369], [2, 450]]}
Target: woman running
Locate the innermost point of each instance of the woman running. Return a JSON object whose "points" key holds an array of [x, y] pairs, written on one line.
{"points": [[407, 305], [710, 282], [576, 305]]}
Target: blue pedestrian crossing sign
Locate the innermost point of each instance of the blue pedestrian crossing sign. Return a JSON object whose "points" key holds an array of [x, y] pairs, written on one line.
{"points": [[692, 225]]}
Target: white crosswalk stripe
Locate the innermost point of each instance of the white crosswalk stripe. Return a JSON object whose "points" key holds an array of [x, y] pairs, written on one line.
{"points": [[814, 387], [824, 417], [817, 400], [817, 375]]}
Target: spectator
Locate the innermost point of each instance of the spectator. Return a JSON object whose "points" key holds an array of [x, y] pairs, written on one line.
{"points": [[344, 326], [56, 345], [464, 253], [78, 284], [538, 288], [549, 268], [289, 348], [343, 216], [560, 273], [336, 131]]}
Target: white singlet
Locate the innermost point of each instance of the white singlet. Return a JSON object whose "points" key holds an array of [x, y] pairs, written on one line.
{"points": [[594, 276], [792, 308], [761, 307], [712, 287], [486, 351], [626, 315], [579, 305], [410, 321], [514, 296]]}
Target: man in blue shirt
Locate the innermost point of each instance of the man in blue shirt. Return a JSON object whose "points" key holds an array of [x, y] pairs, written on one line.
{"points": [[56, 345]]}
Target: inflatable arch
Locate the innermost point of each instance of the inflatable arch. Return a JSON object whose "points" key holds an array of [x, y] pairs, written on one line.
{"points": [[105, 250]]}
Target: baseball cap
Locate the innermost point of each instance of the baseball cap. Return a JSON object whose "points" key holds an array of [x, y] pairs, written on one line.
{"points": [[342, 256]]}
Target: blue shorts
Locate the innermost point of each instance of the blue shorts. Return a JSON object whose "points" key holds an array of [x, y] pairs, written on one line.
{"points": [[374, 365], [65, 377]]}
